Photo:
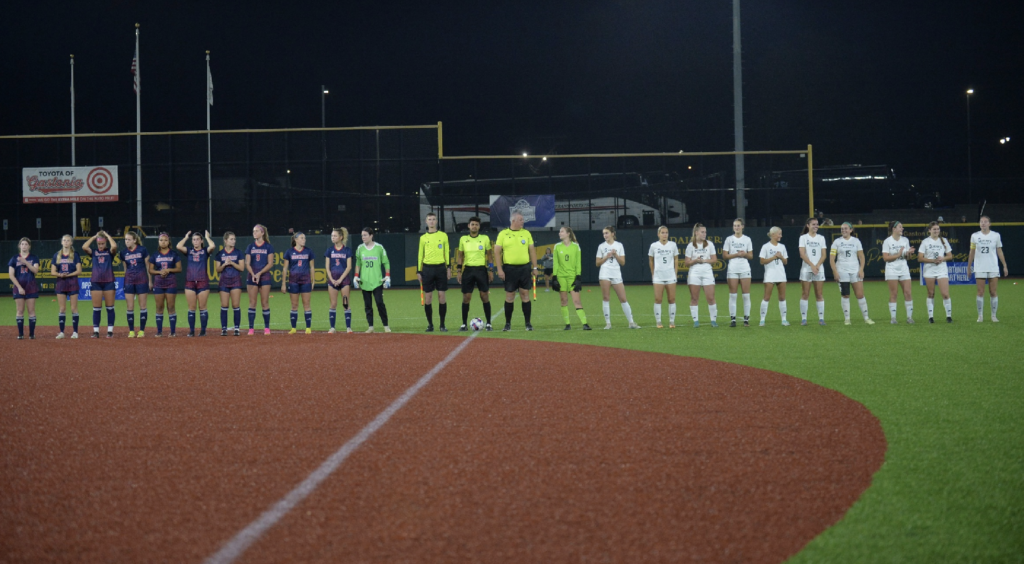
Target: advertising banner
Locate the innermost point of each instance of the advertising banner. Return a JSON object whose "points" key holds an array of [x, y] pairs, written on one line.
{"points": [[538, 211], [85, 288], [61, 185]]}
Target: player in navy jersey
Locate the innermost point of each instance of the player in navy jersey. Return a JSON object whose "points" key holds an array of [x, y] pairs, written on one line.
{"points": [[103, 287], [338, 267], [66, 266], [22, 269], [259, 259], [163, 265], [197, 278], [230, 266], [137, 281], [297, 279]]}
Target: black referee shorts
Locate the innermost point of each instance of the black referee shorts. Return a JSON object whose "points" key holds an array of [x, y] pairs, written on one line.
{"points": [[435, 277], [474, 276], [518, 276]]}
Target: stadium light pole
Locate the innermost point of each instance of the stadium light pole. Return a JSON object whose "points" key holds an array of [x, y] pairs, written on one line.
{"points": [[323, 151], [970, 179], [737, 109]]}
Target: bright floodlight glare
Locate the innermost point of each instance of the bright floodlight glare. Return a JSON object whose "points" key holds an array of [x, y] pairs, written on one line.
{"points": [[326, 92], [970, 91], [289, 171], [544, 159], [1002, 141], [524, 154]]}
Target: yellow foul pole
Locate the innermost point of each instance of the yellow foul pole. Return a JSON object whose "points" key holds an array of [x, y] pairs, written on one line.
{"points": [[810, 181]]}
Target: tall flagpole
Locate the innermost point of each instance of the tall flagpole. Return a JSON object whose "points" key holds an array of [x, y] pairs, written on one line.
{"points": [[74, 205], [138, 138], [209, 176]]}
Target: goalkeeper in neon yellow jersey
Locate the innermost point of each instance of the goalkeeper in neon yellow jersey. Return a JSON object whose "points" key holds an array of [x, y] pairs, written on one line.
{"points": [[568, 270]]}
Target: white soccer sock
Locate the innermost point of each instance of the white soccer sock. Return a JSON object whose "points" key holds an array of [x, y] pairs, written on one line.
{"points": [[981, 305], [764, 309], [821, 310], [931, 307], [628, 311], [910, 308], [863, 303], [994, 305], [948, 304], [713, 310], [892, 310], [657, 313], [782, 309], [732, 306], [803, 310], [846, 307], [746, 306], [672, 314], [693, 313], [607, 309]]}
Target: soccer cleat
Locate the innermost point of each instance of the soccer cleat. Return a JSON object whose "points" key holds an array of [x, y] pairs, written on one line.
{"points": [[237, 331], [508, 327], [331, 331], [931, 320], [110, 334], [732, 323], [202, 333], [714, 323], [803, 322], [634, 326], [387, 329], [979, 319], [309, 331], [463, 327], [696, 324], [529, 327], [266, 331], [348, 330], [223, 332], [21, 337], [892, 321], [847, 321], [292, 332], [671, 325], [444, 329], [140, 334], [430, 329], [586, 327], [659, 326], [191, 334], [489, 328], [949, 320], [96, 334], [761, 324], [60, 335], [252, 332], [994, 320], [821, 322], [158, 335], [568, 328], [746, 323], [370, 330], [785, 323], [608, 326], [31, 337], [131, 334], [868, 321], [910, 320], [74, 335]]}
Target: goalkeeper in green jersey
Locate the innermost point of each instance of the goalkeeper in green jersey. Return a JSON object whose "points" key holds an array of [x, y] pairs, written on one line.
{"points": [[371, 259], [568, 270]]}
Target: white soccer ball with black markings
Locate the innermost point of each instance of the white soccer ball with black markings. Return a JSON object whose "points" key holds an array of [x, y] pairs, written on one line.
{"points": [[476, 324]]}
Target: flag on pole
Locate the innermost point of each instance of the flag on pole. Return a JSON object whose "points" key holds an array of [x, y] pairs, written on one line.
{"points": [[135, 66], [209, 82]]}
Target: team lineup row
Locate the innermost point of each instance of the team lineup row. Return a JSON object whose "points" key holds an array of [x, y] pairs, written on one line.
{"points": [[512, 258]]}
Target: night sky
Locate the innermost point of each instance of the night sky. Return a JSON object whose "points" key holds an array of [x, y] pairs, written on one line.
{"points": [[866, 82]]}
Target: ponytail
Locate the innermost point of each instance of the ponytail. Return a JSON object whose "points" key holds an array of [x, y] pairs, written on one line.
{"points": [[693, 237], [572, 235], [807, 225], [343, 233]]}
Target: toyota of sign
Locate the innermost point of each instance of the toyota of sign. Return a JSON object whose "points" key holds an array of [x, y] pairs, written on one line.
{"points": [[69, 184]]}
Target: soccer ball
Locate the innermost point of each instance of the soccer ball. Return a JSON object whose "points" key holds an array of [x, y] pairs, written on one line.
{"points": [[476, 324]]}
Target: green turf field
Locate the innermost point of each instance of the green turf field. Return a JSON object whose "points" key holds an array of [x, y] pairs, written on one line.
{"points": [[950, 398]]}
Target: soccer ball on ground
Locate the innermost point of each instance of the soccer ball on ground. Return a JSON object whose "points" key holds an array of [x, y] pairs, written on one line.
{"points": [[476, 324]]}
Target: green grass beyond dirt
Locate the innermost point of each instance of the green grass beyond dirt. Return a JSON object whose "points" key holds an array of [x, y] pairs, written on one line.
{"points": [[950, 398]]}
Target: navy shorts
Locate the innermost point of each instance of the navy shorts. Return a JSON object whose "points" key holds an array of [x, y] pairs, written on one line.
{"points": [[136, 288], [30, 296], [300, 288], [68, 293], [197, 285], [265, 280], [157, 291], [103, 286], [229, 287]]}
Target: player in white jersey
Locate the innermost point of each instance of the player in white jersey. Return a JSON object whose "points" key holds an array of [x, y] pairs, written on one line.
{"points": [[847, 260], [812, 253], [774, 258], [610, 258], [896, 250], [986, 245], [663, 258], [933, 253], [738, 250], [700, 256]]}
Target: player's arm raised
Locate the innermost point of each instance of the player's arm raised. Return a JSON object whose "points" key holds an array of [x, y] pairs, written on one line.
{"points": [[211, 246], [181, 244], [110, 242], [87, 245]]}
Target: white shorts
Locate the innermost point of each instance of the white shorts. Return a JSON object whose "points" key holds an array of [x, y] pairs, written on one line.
{"points": [[849, 277], [737, 275], [986, 274], [665, 281], [938, 276], [774, 280], [615, 280], [808, 276], [693, 279], [897, 275]]}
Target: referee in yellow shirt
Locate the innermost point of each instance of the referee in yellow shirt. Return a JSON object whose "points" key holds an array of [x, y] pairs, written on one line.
{"points": [[433, 270], [515, 259], [471, 263]]}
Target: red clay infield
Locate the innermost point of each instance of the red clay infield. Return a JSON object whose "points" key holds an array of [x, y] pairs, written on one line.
{"points": [[518, 451]]}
